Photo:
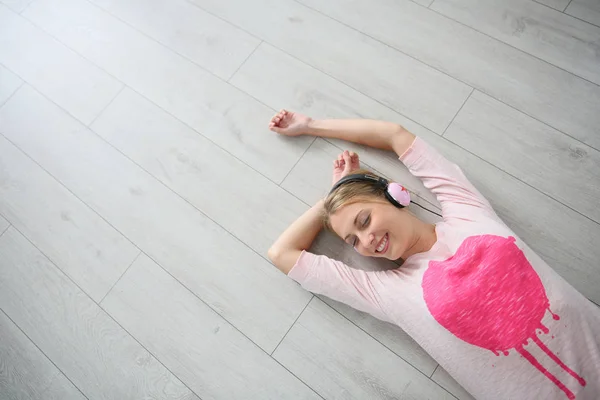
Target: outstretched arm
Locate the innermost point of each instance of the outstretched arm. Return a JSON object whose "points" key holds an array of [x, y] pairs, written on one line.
{"points": [[458, 197], [379, 134]]}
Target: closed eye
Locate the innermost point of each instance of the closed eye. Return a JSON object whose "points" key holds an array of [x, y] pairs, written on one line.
{"points": [[363, 224], [366, 221]]}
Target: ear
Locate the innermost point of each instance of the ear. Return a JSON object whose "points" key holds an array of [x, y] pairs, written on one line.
{"points": [[399, 193]]}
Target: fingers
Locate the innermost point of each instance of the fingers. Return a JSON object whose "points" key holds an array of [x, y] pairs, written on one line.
{"points": [[347, 161], [277, 118]]}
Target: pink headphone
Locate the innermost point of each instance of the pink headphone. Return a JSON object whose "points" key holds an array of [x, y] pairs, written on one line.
{"points": [[394, 192]]}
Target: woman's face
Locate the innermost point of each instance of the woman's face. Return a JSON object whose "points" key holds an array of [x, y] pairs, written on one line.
{"points": [[375, 228]]}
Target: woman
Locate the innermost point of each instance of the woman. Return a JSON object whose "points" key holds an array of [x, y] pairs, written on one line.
{"points": [[473, 295]]}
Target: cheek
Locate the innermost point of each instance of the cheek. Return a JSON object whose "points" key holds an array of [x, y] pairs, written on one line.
{"points": [[401, 237]]}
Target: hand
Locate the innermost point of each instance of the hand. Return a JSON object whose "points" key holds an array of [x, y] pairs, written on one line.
{"points": [[346, 163], [289, 123]]}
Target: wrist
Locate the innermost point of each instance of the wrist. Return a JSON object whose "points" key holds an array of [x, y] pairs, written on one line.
{"points": [[311, 127]]}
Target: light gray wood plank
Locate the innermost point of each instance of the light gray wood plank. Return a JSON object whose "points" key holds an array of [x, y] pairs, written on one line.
{"points": [[559, 39], [401, 82], [9, 83], [322, 350], [97, 355], [25, 373], [16, 5], [424, 3], [563, 237], [233, 279], [444, 379], [208, 354], [391, 336], [222, 113], [548, 160], [76, 239], [65, 77], [556, 4], [207, 40], [545, 92], [587, 10], [4, 224], [200, 171]]}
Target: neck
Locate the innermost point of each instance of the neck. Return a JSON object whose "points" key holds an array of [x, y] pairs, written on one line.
{"points": [[425, 238]]}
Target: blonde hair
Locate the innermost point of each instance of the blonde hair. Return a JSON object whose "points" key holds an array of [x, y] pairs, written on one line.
{"points": [[350, 193]]}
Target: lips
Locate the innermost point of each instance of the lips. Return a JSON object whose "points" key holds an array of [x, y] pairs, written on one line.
{"points": [[383, 244]]}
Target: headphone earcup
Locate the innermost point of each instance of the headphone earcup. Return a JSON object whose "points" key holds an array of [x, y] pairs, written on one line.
{"points": [[399, 193]]}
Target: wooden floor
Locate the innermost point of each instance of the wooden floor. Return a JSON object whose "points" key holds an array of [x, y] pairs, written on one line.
{"points": [[140, 188]]}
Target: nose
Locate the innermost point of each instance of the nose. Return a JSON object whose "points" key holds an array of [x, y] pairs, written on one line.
{"points": [[367, 241]]}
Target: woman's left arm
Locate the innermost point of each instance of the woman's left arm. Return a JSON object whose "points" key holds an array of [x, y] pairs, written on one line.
{"points": [[297, 237]]}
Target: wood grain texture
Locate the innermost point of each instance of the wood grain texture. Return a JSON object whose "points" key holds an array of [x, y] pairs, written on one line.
{"points": [[16, 5], [233, 279], [545, 92], [76, 239], [587, 10], [322, 350], [556, 4], [193, 167], [26, 373], [562, 167], [209, 355], [550, 35], [225, 115], [84, 342], [444, 379], [9, 83], [561, 236], [206, 40], [72, 82], [399, 81], [4, 224]]}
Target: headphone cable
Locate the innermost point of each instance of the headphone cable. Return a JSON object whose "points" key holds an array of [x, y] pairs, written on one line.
{"points": [[427, 209]]}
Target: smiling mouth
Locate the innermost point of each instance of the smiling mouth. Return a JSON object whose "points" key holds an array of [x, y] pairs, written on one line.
{"points": [[383, 244]]}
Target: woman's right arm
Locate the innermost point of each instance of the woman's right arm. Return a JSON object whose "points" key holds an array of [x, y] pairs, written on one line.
{"points": [[378, 134], [457, 196]]}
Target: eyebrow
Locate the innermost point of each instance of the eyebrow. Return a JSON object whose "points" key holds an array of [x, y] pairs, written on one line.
{"points": [[355, 219]]}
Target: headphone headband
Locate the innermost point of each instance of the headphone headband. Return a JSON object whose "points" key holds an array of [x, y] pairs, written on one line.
{"points": [[361, 178]]}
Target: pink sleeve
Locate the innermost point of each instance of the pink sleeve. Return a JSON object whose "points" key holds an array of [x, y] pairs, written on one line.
{"points": [[334, 279], [458, 197]]}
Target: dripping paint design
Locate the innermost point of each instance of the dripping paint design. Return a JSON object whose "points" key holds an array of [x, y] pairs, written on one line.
{"points": [[490, 296]]}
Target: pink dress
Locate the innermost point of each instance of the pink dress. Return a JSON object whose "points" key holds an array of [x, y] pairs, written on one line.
{"points": [[488, 309]]}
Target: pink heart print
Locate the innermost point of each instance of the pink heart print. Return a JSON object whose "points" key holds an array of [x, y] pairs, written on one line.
{"points": [[489, 295]]}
